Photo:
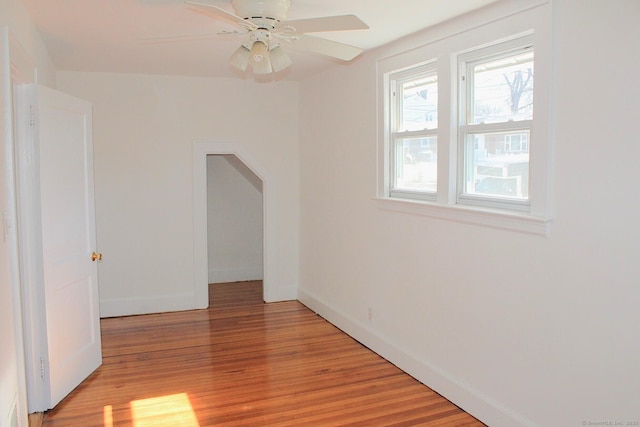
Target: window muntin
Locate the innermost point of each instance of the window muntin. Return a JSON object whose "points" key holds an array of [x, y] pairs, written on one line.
{"points": [[495, 125], [413, 133]]}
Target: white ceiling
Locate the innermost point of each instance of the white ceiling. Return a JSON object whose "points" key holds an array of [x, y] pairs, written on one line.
{"points": [[109, 35]]}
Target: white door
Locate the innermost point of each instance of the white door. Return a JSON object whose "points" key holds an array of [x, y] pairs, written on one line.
{"points": [[63, 140]]}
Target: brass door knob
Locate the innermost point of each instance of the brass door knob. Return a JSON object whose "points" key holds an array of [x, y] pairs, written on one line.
{"points": [[96, 257]]}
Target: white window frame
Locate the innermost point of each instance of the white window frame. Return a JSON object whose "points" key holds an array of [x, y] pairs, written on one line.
{"points": [[445, 44], [465, 62], [396, 81]]}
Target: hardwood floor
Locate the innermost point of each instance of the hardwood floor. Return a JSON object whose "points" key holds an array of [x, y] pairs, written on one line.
{"points": [[243, 362]]}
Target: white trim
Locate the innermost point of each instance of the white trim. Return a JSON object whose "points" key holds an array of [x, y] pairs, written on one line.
{"points": [[501, 219], [200, 151], [511, 126], [115, 307], [15, 65], [488, 15], [30, 249], [457, 391], [30, 242], [22, 66]]}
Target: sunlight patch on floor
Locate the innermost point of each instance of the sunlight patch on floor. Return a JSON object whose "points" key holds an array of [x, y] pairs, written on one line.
{"points": [[108, 416], [164, 411]]}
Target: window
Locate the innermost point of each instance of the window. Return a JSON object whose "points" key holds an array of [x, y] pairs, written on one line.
{"points": [[414, 133], [458, 137], [495, 125]]}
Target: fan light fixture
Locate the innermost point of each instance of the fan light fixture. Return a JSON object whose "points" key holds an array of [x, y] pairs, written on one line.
{"points": [[240, 58], [264, 21], [260, 60], [279, 59], [257, 53]]}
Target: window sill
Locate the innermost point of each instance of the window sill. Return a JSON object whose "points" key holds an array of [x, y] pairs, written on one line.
{"points": [[513, 221]]}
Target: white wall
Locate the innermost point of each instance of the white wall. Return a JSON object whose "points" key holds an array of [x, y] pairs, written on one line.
{"points": [[234, 220], [15, 25], [144, 131], [518, 329], [9, 380]]}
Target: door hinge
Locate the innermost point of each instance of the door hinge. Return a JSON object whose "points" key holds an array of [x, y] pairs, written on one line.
{"points": [[32, 116], [5, 226], [42, 370]]}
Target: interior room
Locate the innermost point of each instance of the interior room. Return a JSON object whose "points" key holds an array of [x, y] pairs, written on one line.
{"points": [[522, 313]]}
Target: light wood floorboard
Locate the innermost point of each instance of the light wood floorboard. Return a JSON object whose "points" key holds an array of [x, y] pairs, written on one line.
{"points": [[245, 363], [35, 419]]}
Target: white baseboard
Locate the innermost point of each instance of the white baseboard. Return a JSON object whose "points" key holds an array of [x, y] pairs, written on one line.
{"points": [[146, 305], [483, 407], [177, 302], [234, 275], [282, 294], [12, 419]]}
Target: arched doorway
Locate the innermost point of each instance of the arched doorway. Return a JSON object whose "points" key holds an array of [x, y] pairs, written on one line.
{"points": [[201, 151], [234, 221]]}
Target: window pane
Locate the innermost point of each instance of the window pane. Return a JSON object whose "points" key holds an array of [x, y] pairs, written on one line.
{"points": [[497, 164], [503, 89], [417, 164], [419, 109]]}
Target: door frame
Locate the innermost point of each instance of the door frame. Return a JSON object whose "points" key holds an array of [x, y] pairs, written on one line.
{"points": [[29, 240], [19, 70], [201, 149]]}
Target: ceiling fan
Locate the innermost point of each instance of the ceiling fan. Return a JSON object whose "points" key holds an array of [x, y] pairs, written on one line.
{"points": [[264, 24]]}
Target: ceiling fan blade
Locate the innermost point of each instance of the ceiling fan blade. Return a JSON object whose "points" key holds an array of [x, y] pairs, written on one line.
{"points": [[187, 37], [325, 47], [326, 23], [217, 12]]}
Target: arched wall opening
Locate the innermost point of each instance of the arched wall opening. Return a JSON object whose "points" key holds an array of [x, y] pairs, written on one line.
{"points": [[234, 221], [243, 160]]}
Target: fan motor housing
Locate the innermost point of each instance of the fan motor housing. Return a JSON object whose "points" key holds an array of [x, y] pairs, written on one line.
{"points": [[274, 9]]}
